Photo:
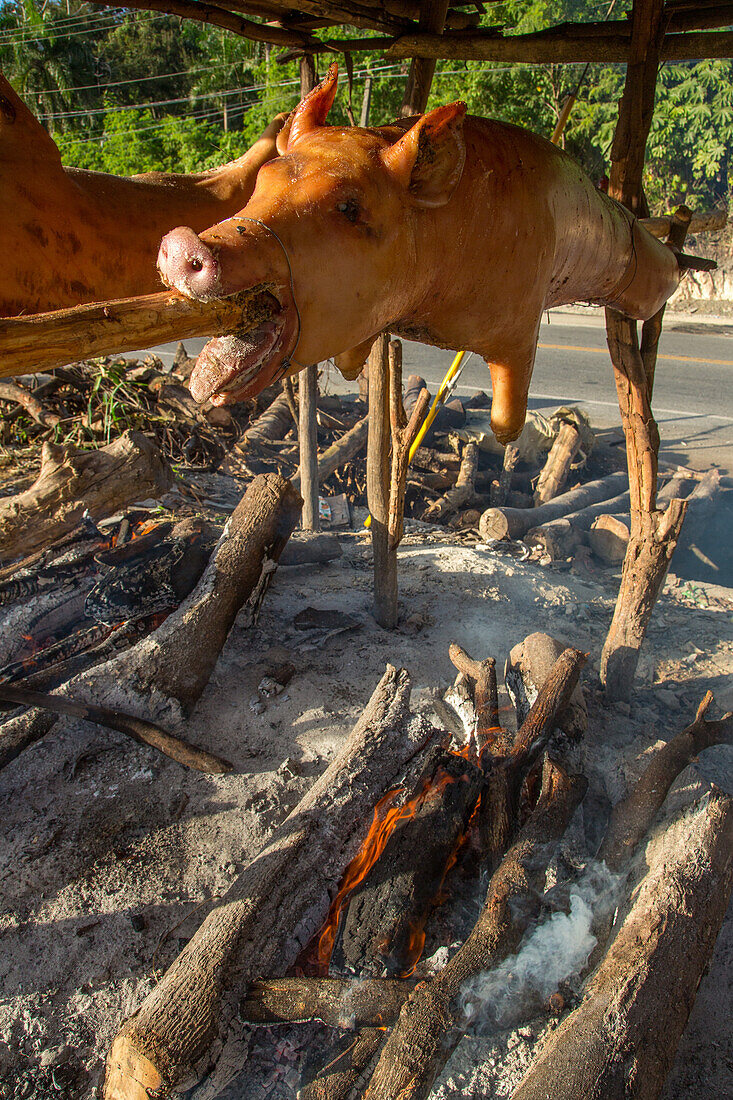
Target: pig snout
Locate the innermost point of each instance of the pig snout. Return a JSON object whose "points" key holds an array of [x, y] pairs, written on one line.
{"points": [[188, 265]]}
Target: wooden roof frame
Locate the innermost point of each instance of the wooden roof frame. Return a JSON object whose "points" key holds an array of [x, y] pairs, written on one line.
{"points": [[448, 29]]}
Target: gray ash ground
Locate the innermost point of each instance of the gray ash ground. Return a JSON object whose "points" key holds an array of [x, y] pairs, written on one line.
{"points": [[113, 855]]}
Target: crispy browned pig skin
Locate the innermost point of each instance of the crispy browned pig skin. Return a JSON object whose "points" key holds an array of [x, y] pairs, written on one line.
{"points": [[451, 230], [71, 236]]}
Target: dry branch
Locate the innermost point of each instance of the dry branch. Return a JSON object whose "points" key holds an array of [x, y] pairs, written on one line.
{"points": [[308, 439], [557, 466], [12, 391], [622, 1039], [500, 488], [71, 482], [463, 494], [272, 424], [271, 912], [139, 729], [46, 340], [527, 669], [633, 816]]}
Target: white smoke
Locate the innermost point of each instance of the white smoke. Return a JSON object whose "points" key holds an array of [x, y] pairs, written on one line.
{"points": [[551, 952]]}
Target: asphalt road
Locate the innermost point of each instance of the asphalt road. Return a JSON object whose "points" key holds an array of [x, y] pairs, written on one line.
{"points": [[693, 403]]}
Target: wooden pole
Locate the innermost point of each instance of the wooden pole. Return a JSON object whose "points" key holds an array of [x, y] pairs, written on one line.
{"points": [[378, 481], [432, 21], [653, 533], [308, 383]]}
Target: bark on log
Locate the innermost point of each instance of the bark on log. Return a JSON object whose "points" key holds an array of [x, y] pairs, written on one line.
{"points": [[557, 466], [340, 452], [271, 912], [631, 818], [464, 493], [71, 482], [499, 489], [608, 538], [348, 1068], [527, 669], [21, 731], [345, 1003], [378, 480], [514, 523], [271, 425], [311, 549], [433, 1018], [46, 340], [381, 932], [622, 1039]]}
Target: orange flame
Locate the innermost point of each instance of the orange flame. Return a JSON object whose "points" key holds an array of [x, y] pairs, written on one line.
{"points": [[386, 819]]}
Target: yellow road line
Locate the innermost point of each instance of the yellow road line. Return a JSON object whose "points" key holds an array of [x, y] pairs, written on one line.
{"points": [[671, 358]]}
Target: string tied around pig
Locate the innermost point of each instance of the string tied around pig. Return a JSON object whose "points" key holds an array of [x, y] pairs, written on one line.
{"points": [[288, 358]]}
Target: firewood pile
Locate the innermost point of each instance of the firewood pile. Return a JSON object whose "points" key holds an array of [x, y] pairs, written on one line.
{"points": [[351, 915]]}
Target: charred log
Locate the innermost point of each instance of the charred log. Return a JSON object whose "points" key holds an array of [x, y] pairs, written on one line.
{"points": [[283, 895]]}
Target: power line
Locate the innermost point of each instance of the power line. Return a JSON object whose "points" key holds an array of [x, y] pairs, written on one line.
{"points": [[26, 37]]}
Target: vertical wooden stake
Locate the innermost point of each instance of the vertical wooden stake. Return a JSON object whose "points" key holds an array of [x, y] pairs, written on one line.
{"points": [[308, 438], [653, 534], [378, 477], [432, 21], [308, 392]]}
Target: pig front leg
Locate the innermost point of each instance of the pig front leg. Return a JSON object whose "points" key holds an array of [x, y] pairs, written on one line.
{"points": [[511, 365]]}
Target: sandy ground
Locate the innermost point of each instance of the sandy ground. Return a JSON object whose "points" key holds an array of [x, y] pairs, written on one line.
{"points": [[112, 855]]}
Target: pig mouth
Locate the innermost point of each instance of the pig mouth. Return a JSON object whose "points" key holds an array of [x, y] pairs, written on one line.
{"points": [[237, 367]]}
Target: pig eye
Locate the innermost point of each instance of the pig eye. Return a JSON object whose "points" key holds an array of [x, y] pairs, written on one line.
{"points": [[350, 209]]}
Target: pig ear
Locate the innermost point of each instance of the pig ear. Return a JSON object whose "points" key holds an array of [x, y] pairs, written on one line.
{"points": [[429, 159], [311, 112]]}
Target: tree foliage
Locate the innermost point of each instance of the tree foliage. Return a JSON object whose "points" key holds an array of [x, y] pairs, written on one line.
{"points": [[129, 92]]}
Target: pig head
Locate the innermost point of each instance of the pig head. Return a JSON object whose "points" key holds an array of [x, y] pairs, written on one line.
{"points": [[72, 236], [455, 231]]}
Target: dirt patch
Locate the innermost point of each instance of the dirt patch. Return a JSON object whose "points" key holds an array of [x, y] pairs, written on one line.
{"points": [[112, 855]]}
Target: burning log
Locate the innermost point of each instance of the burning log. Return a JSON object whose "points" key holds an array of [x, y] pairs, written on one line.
{"points": [[382, 930], [529, 665], [344, 1003], [270, 912], [464, 493], [623, 1037], [557, 466], [434, 1017], [146, 733], [514, 523], [168, 669], [46, 340], [72, 482]]}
